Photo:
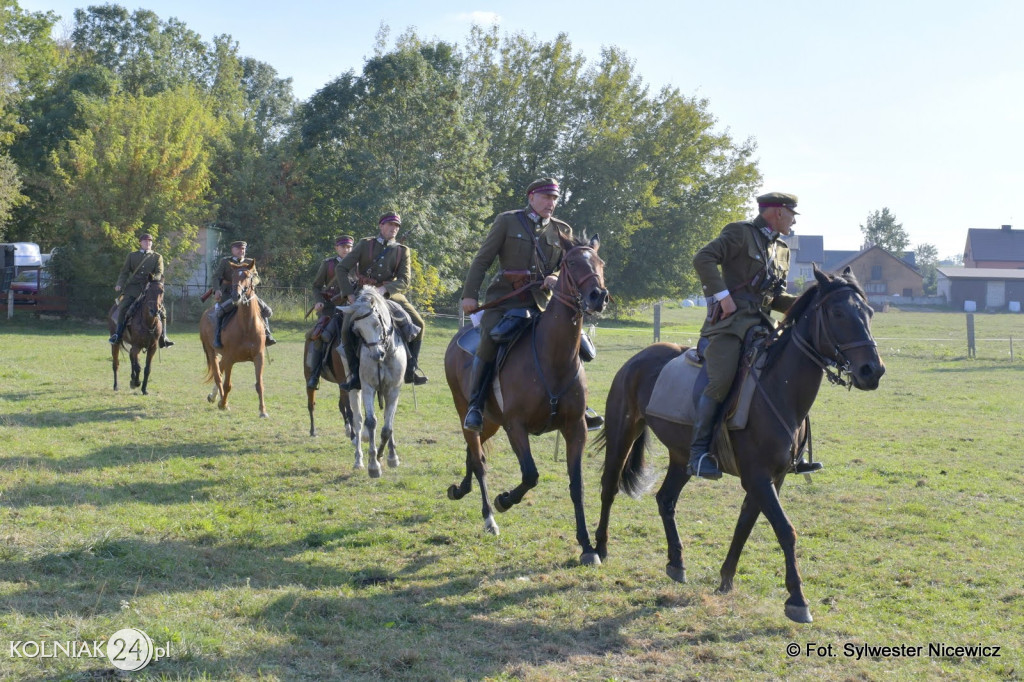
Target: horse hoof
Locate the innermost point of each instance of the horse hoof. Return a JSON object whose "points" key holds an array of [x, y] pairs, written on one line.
{"points": [[264, 415], [799, 614], [491, 526], [677, 573], [312, 433], [499, 505], [145, 393], [453, 492], [590, 559], [210, 398], [374, 473], [393, 463]]}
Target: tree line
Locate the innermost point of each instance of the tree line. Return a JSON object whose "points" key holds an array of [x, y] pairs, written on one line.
{"points": [[134, 123]]}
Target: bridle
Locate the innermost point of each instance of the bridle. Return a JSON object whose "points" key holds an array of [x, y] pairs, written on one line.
{"points": [[386, 342], [835, 364], [243, 291], [568, 289]]}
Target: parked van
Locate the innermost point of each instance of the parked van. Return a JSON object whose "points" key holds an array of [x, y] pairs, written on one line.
{"points": [[27, 255]]}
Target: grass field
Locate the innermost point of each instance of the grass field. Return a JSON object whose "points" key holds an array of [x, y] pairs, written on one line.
{"points": [[256, 552]]}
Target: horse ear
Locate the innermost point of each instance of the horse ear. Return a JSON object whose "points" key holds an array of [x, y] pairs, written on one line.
{"points": [[847, 271], [595, 242], [820, 276]]}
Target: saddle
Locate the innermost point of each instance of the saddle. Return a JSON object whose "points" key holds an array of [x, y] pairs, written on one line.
{"points": [[683, 379], [403, 322], [505, 335]]}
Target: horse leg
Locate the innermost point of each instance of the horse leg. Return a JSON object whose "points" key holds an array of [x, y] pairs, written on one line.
{"points": [[624, 441], [149, 365], [667, 497], [225, 386], [136, 367], [369, 431], [767, 496], [114, 352], [749, 512], [311, 406], [575, 440], [345, 407], [520, 441], [387, 431], [258, 364]]}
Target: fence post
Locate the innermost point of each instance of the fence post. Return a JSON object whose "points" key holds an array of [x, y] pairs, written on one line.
{"points": [[657, 322], [10, 304], [971, 352], [1011, 347]]}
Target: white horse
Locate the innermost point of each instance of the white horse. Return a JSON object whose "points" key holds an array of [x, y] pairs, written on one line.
{"points": [[382, 360]]}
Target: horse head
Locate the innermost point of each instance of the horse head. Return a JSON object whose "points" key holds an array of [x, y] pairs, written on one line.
{"points": [[242, 285], [582, 276], [839, 320], [154, 297], [371, 322]]}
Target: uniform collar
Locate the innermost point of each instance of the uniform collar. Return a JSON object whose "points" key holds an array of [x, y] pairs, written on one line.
{"points": [[145, 251], [764, 228], [380, 240], [538, 222]]}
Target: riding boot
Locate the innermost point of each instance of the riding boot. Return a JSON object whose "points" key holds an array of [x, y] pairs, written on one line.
{"points": [[804, 467], [266, 327], [410, 369], [115, 338], [164, 341], [220, 325], [702, 464], [352, 357], [594, 420], [322, 350], [480, 381]]}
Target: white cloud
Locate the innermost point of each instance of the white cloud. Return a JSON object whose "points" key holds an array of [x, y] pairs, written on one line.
{"points": [[479, 18]]}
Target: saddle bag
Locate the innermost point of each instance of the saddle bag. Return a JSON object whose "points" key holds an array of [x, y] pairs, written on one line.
{"points": [[587, 349]]}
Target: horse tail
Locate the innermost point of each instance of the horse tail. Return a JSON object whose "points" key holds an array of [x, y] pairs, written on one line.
{"points": [[637, 477], [211, 362]]}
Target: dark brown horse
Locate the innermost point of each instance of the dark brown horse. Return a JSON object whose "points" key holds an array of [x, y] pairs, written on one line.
{"points": [[142, 332], [828, 330], [334, 372], [542, 388], [243, 337]]}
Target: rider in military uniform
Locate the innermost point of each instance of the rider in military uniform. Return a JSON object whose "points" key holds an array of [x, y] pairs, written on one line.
{"points": [[327, 323], [385, 264], [527, 245], [139, 268], [743, 275], [220, 282]]}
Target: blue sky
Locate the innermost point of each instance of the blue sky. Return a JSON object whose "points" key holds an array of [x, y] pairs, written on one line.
{"points": [[915, 106]]}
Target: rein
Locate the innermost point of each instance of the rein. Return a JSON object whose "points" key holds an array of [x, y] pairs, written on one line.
{"points": [[836, 368]]}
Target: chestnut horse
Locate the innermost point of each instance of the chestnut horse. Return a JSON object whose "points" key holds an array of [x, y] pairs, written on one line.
{"points": [[827, 331], [142, 331], [543, 388], [242, 337]]}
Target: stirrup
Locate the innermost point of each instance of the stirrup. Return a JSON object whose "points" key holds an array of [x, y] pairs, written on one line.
{"points": [[478, 422], [712, 474], [353, 384], [805, 467], [166, 342], [270, 341], [114, 339], [593, 419]]}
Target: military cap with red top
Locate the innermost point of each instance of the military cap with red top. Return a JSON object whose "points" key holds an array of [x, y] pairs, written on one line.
{"points": [[780, 199], [344, 240], [544, 186], [390, 217]]}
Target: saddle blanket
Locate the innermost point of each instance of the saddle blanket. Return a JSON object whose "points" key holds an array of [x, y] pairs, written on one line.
{"points": [[680, 383]]}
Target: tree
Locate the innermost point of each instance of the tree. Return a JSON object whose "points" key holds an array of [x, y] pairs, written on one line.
{"points": [[882, 230], [139, 163], [926, 257]]}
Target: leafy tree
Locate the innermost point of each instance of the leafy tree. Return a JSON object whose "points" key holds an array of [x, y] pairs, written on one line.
{"points": [[926, 256], [881, 229], [139, 163]]}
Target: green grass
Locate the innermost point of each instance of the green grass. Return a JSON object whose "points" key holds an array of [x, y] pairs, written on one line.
{"points": [[258, 552]]}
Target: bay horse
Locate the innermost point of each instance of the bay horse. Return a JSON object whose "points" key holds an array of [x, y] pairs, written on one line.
{"points": [[243, 337], [543, 388], [383, 356], [827, 331], [334, 372], [142, 332]]}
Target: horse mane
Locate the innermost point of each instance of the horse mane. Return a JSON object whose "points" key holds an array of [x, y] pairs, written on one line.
{"points": [[824, 284], [368, 299]]}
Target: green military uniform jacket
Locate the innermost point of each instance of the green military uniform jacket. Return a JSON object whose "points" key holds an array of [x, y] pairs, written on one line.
{"points": [[740, 259], [221, 279], [388, 265], [139, 266], [511, 242]]}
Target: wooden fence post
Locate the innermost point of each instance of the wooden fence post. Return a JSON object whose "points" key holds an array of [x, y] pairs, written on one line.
{"points": [[657, 322], [971, 351]]}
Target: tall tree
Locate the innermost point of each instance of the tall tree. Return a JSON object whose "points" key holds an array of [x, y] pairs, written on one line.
{"points": [[139, 163], [882, 230]]}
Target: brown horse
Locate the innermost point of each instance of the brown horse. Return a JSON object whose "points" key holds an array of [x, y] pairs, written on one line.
{"points": [[142, 331], [542, 388], [243, 337], [334, 372], [827, 331]]}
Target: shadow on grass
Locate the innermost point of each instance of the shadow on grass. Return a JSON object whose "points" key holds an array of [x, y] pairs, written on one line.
{"points": [[119, 455], [51, 418]]}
